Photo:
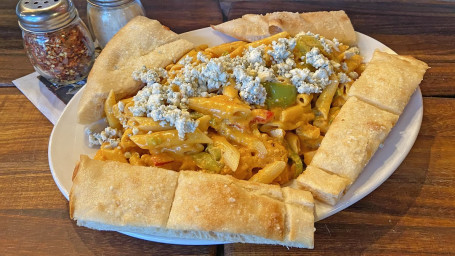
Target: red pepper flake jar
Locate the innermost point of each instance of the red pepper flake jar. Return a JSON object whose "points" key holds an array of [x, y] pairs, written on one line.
{"points": [[56, 40]]}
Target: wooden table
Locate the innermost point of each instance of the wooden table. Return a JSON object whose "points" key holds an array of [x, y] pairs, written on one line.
{"points": [[412, 213]]}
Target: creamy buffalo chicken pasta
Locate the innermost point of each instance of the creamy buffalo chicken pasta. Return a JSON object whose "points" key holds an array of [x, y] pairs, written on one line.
{"points": [[257, 111]]}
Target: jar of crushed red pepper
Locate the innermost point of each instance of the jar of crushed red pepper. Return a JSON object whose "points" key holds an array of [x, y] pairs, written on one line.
{"points": [[56, 40]]}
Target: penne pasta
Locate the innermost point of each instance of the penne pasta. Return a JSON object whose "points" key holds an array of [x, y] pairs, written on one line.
{"points": [[324, 124], [184, 149], [271, 126], [293, 142], [264, 41], [308, 132], [230, 91], [295, 116], [325, 99], [269, 172], [308, 156], [201, 47], [168, 139], [108, 110], [230, 154], [310, 144], [204, 122], [220, 106], [353, 63], [114, 154], [223, 49], [246, 140], [291, 114], [304, 99], [127, 110], [125, 142], [147, 124]]}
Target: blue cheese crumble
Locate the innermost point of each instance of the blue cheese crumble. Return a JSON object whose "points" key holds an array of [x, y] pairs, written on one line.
{"points": [[165, 100], [149, 75], [282, 49], [343, 78], [162, 104], [300, 79], [254, 55], [110, 135], [312, 82], [250, 88], [213, 75], [351, 52], [318, 60]]}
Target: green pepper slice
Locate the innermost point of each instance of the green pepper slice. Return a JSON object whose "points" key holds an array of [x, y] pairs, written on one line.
{"points": [[298, 163], [280, 94], [205, 161], [296, 159], [305, 43], [214, 152]]}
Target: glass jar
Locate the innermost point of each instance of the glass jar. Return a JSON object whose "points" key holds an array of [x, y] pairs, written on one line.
{"points": [[107, 17], [56, 40]]}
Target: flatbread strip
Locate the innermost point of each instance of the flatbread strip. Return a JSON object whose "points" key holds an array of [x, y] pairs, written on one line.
{"points": [[252, 27], [109, 195], [387, 82], [353, 138], [141, 42], [324, 186]]}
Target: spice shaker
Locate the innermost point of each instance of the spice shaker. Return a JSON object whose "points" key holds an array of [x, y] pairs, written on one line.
{"points": [[106, 17], [56, 40]]}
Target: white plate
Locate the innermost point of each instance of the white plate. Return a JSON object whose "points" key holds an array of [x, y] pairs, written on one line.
{"points": [[68, 141]]}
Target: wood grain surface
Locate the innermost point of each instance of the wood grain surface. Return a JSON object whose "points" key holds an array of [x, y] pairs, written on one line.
{"points": [[412, 213]]}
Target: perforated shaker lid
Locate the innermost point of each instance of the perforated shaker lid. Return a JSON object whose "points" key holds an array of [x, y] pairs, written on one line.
{"points": [[109, 3], [45, 15]]}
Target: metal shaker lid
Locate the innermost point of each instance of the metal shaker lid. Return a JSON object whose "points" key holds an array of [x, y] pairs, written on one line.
{"points": [[45, 15], [108, 3]]}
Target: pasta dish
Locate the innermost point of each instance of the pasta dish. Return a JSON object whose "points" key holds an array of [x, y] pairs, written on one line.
{"points": [[257, 111]]}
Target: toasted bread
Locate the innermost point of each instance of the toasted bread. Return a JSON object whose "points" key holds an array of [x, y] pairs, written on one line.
{"points": [[109, 195], [252, 27], [141, 42]]}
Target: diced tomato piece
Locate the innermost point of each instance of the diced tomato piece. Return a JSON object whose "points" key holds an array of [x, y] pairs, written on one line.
{"points": [[261, 116], [161, 159], [162, 163]]}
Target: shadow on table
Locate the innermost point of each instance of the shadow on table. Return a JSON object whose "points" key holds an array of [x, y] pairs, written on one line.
{"points": [[95, 242]]}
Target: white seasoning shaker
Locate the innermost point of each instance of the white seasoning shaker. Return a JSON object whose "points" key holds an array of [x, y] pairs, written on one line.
{"points": [[107, 17]]}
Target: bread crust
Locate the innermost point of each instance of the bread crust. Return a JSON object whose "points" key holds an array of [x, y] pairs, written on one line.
{"points": [[120, 194], [353, 138], [218, 203], [252, 27], [389, 80], [109, 195], [141, 42], [324, 186]]}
